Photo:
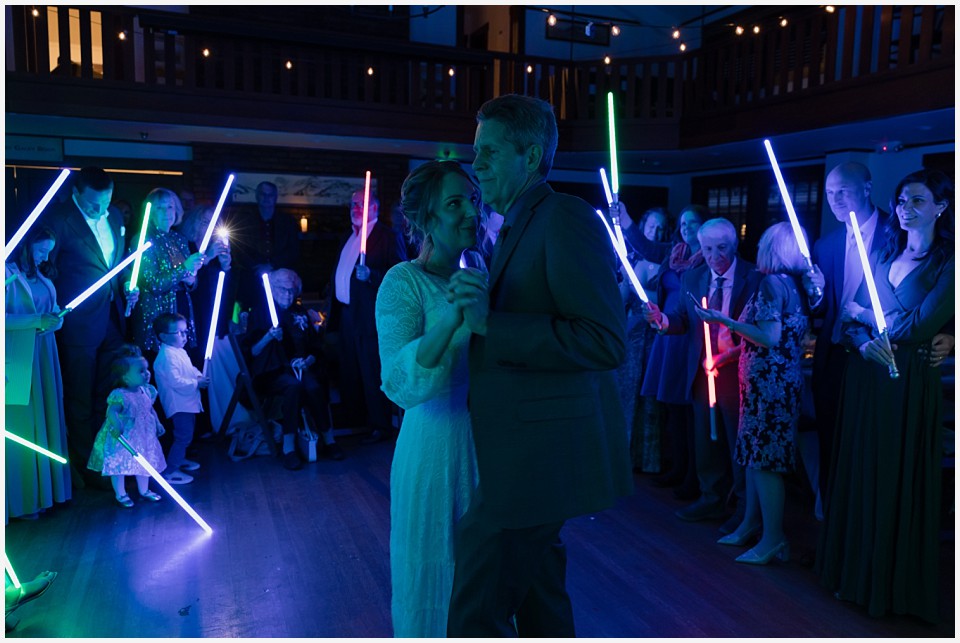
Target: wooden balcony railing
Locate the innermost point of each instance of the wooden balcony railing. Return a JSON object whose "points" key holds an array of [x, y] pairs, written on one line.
{"points": [[241, 69]]}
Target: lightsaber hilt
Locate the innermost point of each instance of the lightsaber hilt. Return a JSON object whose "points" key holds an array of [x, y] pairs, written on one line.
{"points": [[892, 366], [713, 423], [817, 291], [659, 324], [363, 258], [130, 305]]}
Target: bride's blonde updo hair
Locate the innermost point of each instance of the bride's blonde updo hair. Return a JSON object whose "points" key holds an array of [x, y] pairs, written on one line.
{"points": [[418, 199]]}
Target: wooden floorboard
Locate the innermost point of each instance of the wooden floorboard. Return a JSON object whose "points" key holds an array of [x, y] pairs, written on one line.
{"points": [[306, 554]]}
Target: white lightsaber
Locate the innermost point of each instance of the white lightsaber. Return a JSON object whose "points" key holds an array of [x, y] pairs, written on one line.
{"points": [[631, 275], [216, 215], [791, 213], [614, 209], [711, 379], [363, 229], [269, 292], [79, 299], [166, 485], [34, 215], [872, 289], [215, 319], [135, 274], [30, 445]]}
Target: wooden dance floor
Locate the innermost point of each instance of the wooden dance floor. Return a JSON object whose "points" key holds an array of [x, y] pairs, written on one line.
{"points": [[306, 554]]}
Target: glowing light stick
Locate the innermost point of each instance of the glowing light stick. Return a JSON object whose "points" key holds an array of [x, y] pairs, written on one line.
{"points": [[614, 171], [9, 569], [614, 210], [711, 379], [872, 289], [34, 215], [136, 264], [79, 299], [791, 213], [30, 445], [363, 228], [166, 485], [269, 291], [216, 215], [215, 319], [625, 262]]}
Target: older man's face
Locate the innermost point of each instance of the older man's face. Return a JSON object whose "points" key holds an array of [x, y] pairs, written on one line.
{"points": [[846, 191], [266, 200], [356, 209], [718, 250]]}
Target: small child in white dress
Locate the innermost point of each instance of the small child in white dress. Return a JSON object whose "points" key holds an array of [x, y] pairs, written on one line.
{"points": [[130, 414]]}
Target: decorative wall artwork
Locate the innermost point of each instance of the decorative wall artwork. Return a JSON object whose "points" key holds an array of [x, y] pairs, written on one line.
{"points": [[295, 189]]}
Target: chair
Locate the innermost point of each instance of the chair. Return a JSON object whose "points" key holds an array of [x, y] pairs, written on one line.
{"points": [[244, 385]]}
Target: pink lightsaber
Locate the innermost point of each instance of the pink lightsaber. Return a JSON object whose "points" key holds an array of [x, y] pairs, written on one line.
{"points": [[711, 383]]}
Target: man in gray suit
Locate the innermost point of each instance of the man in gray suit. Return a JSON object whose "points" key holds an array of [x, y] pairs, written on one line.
{"points": [[549, 429], [728, 281]]}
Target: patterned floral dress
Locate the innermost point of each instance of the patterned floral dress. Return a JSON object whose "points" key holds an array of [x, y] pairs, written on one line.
{"points": [[161, 272], [130, 413], [771, 380]]}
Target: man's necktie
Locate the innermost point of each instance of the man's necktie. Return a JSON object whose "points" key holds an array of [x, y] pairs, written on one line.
{"points": [[501, 237], [716, 303]]}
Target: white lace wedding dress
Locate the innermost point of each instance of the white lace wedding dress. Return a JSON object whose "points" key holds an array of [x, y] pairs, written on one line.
{"points": [[434, 470]]}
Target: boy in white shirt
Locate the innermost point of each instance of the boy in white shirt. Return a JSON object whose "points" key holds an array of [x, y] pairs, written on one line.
{"points": [[179, 383]]}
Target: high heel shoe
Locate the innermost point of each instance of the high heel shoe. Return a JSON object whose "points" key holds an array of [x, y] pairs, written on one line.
{"points": [[739, 541], [751, 557]]}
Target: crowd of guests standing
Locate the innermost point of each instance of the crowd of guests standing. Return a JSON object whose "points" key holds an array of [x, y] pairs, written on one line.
{"points": [[466, 493]]}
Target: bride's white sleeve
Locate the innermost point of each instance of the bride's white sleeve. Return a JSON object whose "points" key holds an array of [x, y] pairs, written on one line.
{"points": [[401, 320]]}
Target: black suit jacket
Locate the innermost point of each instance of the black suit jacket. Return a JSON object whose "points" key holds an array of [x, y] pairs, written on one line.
{"points": [[548, 424], [684, 318], [385, 249], [829, 255], [79, 262]]}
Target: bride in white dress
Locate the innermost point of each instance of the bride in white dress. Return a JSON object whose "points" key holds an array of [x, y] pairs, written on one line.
{"points": [[423, 353]]}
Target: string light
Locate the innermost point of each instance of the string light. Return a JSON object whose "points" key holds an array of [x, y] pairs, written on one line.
{"points": [[676, 34], [206, 52], [830, 8], [683, 46], [35, 13], [783, 22], [288, 64], [529, 69], [739, 30], [369, 71], [552, 20], [614, 30], [122, 35], [450, 72], [606, 60], [756, 29]]}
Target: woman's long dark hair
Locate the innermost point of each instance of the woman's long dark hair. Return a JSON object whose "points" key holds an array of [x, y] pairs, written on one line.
{"points": [[895, 237], [27, 265]]}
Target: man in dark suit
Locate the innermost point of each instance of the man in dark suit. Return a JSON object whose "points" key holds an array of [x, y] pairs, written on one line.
{"points": [[353, 302], [838, 273], [547, 421], [728, 282], [90, 241], [265, 240]]}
